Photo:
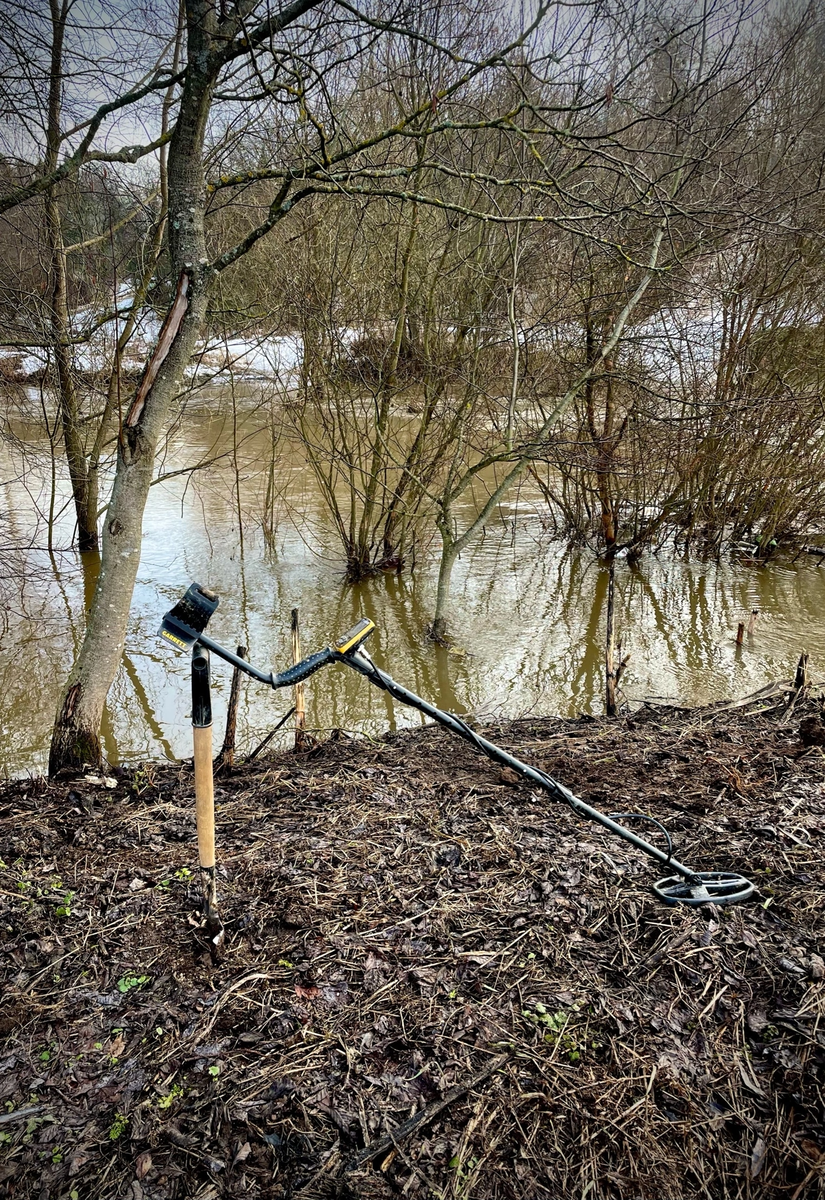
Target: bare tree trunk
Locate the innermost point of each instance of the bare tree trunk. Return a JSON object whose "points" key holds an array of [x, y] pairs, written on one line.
{"points": [[610, 645], [361, 563], [449, 553], [76, 737], [613, 671], [85, 504], [300, 696], [226, 759], [113, 391]]}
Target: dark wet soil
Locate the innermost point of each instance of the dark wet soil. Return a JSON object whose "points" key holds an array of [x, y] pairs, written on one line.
{"points": [[435, 982]]}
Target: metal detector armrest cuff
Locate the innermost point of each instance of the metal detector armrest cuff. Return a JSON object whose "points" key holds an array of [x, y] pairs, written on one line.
{"points": [[183, 625]]}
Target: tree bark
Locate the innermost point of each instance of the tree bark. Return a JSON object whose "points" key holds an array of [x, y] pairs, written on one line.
{"points": [[438, 629], [610, 705], [76, 736], [73, 441]]}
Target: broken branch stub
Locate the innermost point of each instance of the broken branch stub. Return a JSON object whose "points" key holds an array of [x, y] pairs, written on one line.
{"points": [[169, 331]]}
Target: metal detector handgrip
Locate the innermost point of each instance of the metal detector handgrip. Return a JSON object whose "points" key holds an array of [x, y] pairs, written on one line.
{"points": [[339, 652], [303, 669]]}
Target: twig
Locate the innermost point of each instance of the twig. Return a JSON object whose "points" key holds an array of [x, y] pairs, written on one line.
{"points": [[269, 737], [389, 1140], [20, 1114], [226, 758]]}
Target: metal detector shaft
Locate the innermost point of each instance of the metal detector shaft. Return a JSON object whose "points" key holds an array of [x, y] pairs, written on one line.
{"points": [[183, 627], [302, 670], [363, 664]]}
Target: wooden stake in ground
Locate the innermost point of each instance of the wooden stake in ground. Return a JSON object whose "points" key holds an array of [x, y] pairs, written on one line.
{"points": [[740, 634], [752, 622], [205, 790], [226, 759], [300, 710]]}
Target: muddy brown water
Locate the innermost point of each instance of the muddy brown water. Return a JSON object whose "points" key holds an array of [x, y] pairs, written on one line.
{"points": [[528, 613]]}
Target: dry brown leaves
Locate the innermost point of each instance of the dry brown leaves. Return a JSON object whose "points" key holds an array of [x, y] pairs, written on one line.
{"points": [[398, 917]]}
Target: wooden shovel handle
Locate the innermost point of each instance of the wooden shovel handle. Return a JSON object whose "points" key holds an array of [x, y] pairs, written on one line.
{"points": [[204, 795]]}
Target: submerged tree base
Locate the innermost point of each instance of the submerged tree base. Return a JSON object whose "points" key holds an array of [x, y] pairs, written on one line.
{"points": [[358, 571], [437, 632], [416, 945]]}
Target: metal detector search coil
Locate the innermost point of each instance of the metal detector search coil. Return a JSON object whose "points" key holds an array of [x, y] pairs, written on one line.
{"points": [[184, 627], [710, 887]]}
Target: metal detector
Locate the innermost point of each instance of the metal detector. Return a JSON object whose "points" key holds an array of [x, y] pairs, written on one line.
{"points": [[183, 627]]}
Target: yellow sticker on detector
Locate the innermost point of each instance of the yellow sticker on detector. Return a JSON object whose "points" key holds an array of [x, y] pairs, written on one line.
{"points": [[171, 638]]}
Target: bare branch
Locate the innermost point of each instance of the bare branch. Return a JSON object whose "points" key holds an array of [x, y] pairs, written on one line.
{"points": [[82, 154], [267, 29], [130, 216]]}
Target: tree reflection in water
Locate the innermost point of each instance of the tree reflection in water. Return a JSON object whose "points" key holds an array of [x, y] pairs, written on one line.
{"points": [[528, 615]]}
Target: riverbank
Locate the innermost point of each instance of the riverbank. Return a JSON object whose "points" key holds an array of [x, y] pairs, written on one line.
{"points": [[434, 984]]}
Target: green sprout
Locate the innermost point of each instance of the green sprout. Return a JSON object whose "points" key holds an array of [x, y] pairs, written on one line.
{"points": [[556, 1026], [168, 1101], [128, 982], [118, 1126]]}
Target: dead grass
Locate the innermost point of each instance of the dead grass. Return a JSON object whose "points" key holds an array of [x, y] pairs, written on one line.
{"points": [[425, 962]]}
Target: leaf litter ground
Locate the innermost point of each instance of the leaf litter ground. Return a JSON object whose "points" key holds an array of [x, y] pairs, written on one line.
{"points": [[435, 983]]}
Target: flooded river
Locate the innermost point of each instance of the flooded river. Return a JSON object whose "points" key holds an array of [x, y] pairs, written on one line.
{"points": [[528, 614]]}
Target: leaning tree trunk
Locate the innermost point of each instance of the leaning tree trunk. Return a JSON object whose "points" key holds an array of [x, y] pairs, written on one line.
{"points": [[73, 441], [76, 734], [58, 303]]}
